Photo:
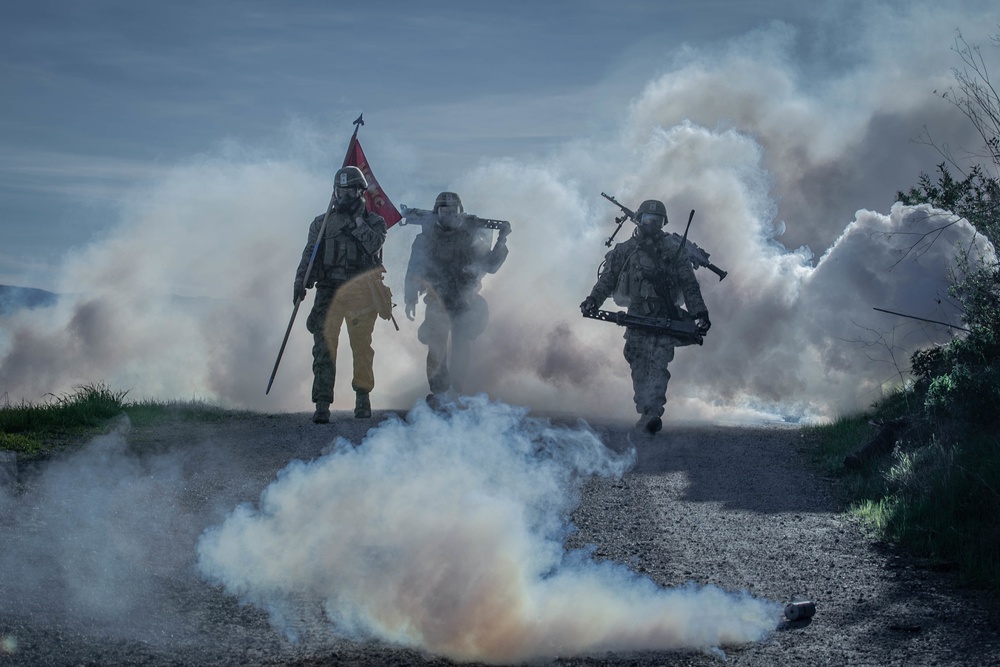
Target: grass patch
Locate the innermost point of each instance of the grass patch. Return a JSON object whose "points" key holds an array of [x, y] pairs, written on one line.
{"points": [[27, 428], [937, 493], [31, 429], [20, 443]]}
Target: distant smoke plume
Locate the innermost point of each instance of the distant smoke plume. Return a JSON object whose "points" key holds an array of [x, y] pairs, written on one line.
{"points": [[444, 532], [790, 166]]}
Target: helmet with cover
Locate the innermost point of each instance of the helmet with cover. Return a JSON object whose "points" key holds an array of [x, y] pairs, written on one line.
{"points": [[349, 184], [652, 215], [448, 200], [449, 209]]}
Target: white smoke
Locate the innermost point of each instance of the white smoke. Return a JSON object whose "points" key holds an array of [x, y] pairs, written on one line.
{"points": [[444, 532], [774, 156]]}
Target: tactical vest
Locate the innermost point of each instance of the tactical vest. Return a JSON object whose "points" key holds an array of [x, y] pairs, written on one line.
{"points": [[645, 284], [343, 256], [453, 259]]}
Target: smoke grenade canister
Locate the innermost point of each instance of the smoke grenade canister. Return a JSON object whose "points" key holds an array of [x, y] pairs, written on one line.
{"points": [[797, 611]]}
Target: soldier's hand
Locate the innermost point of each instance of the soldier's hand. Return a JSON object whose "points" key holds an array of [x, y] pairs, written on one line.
{"points": [[702, 322], [411, 311], [589, 305], [298, 292], [504, 231]]}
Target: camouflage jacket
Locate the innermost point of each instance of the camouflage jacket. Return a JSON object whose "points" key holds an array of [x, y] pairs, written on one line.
{"points": [[350, 246], [646, 276]]}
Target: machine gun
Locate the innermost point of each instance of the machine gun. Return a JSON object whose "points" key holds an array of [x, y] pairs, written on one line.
{"points": [[422, 217], [685, 331], [695, 254]]}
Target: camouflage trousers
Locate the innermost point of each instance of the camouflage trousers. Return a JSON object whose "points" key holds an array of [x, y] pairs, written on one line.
{"points": [[349, 304], [648, 353]]}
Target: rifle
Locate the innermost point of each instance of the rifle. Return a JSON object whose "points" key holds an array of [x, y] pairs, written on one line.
{"points": [[681, 329], [695, 254], [423, 217]]}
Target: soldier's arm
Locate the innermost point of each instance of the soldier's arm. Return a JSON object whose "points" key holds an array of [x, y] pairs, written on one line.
{"points": [[497, 256], [607, 280], [415, 269], [369, 231], [693, 301], [300, 273]]}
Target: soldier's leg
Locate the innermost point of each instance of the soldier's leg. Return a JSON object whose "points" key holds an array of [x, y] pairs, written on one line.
{"points": [[359, 330], [434, 332], [467, 325], [323, 356], [659, 374], [323, 359], [459, 359], [648, 356]]}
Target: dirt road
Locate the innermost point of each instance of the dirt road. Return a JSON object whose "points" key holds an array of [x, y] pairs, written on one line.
{"points": [[736, 507]]}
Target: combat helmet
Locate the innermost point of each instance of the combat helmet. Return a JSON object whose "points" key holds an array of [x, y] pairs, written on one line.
{"points": [[448, 199], [651, 206], [350, 177]]}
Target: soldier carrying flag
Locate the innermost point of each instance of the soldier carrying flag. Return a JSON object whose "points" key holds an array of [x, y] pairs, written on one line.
{"points": [[342, 259]]}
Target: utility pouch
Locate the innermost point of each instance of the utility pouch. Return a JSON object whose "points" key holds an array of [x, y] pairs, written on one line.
{"points": [[381, 294]]}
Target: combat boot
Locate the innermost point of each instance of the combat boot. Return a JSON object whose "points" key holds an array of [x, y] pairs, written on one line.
{"points": [[362, 406], [649, 423], [322, 414]]}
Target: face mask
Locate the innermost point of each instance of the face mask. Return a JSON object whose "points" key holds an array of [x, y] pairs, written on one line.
{"points": [[650, 223], [347, 197], [449, 217]]}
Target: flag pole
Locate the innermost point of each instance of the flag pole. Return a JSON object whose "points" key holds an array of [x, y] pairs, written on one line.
{"points": [[312, 259], [358, 122]]}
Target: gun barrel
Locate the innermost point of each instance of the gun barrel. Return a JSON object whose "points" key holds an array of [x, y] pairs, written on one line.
{"points": [[717, 271]]}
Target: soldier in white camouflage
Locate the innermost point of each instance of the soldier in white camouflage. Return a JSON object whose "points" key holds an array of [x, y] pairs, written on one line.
{"points": [[448, 261], [349, 248], [646, 274]]}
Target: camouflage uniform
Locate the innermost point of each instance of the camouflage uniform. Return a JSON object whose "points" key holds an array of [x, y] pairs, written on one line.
{"points": [[349, 248], [449, 265], [643, 274]]}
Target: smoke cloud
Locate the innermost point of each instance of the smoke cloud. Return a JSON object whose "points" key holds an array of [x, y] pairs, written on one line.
{"points": [[790, 165], [94, 537], [444, 532]]}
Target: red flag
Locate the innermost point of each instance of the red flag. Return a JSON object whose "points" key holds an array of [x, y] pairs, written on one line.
{"points": [[377, 200]]}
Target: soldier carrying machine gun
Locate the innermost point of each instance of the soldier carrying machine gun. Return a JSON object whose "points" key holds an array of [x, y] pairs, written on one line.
{"points": [[652, 275], [448, 261]]}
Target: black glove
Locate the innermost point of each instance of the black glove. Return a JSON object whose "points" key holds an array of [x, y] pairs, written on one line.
{"points": [[702, 322], [504, 231], [589, 305], [298, 292]]}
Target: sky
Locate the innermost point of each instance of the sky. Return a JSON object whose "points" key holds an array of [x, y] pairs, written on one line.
{"points": [[160, 165]]}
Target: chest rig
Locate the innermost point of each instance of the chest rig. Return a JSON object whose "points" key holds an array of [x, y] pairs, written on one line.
{"points": [[343, 256]]}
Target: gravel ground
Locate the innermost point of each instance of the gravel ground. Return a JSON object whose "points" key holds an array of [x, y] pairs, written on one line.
{"points": [[736, 507]]}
